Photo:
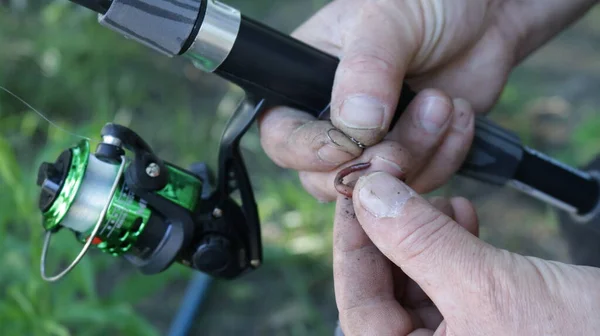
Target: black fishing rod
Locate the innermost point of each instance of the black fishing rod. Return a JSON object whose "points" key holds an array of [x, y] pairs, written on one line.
{"points": [[273, 69], [279, 68]]}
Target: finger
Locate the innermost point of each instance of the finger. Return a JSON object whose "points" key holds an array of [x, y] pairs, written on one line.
{"points": [[363, 282], [444, 205], [376, 52], [386, 156], [423, 126], [451, 154], [429, 316], [459, 209], [462, 76], [465, 215], [442, 330], [415, 298], [320, 31], [294, 139], [421, 332], [429, 246]]}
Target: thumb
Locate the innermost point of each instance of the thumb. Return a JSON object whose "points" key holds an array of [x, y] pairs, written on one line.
{"points": [[431, 248], [376, 52]]}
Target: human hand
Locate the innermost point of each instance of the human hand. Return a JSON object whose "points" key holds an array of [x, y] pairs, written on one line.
{"points": [[405, 266], [465, 48]]}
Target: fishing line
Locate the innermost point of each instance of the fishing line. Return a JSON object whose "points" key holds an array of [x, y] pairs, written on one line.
{"points": [[41, 114]]}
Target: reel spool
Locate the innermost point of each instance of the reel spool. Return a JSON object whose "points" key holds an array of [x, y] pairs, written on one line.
{"points": [[125, 201]]}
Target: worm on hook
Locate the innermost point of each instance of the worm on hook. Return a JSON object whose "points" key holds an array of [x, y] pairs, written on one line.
{"points": [[342, 188]]}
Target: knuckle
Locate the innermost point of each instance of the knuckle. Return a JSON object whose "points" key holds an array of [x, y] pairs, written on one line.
{"points": [[311, 134], [392, 151], [306, 181], [281, 138], [369, 59], [422, 232], [455, 150], [294, 131], [355, 319], [270, 134], [309, 183], [377, 11], [495, 281]]}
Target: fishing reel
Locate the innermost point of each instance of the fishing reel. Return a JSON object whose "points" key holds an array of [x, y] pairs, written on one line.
{"points": [[127, 202]]}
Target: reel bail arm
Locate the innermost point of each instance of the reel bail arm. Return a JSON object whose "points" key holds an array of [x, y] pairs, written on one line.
{"points": [[234, 176]]}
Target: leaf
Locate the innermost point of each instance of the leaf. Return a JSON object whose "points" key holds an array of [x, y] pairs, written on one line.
{"points": [[29, 124], [22, 301], [86, 276], [130, 289], [121, 316], [84, 312], [10, 312], [9, 167], [586, 138], [54, 328]]}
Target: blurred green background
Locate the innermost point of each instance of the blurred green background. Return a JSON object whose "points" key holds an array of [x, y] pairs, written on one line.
{"points": [[82, 75]]}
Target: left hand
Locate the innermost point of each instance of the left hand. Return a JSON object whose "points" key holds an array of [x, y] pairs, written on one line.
{"points": [[426, 147], [466, 48]]}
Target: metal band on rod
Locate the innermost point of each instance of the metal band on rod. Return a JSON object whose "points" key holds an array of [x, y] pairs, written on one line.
{"points": [[216, 36], [90, 239]]}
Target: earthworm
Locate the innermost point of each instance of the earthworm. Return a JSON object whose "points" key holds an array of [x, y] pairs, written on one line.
{"points": [[347, 190], [342, 188]]}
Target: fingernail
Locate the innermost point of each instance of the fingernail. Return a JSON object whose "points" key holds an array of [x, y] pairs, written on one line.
{"points": [[334, 155], [382, 195], [362, 112], [462, 114], [434, 114], [380, 164]]}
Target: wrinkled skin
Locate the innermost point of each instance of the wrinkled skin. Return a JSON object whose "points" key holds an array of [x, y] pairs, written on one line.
{"points": [[458, 54], [406, 266]]}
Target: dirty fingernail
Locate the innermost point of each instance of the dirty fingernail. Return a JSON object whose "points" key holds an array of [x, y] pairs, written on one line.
{"points": [[383, 195], [362, 112], [434, 114]]}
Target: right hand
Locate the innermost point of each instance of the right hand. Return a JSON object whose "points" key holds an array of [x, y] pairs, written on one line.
{"points": [[405, 266], [465, 48]]}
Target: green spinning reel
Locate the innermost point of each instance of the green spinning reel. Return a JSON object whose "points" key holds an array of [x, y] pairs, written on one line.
{"points": [[125, 201]]}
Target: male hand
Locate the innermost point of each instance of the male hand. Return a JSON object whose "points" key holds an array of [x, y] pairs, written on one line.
{"points": [[464, 48], [405, 266]]}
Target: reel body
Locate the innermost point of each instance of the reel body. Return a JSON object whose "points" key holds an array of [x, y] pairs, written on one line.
{"points": [[125, 201], [86, 188]]}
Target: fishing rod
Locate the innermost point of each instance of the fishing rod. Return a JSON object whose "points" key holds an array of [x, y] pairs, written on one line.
{"points": [[154, 213]]}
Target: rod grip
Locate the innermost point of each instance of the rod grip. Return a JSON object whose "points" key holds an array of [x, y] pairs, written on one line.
{"points": [[278, 67], [281, 69], [284, 70], [495, 153]]}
